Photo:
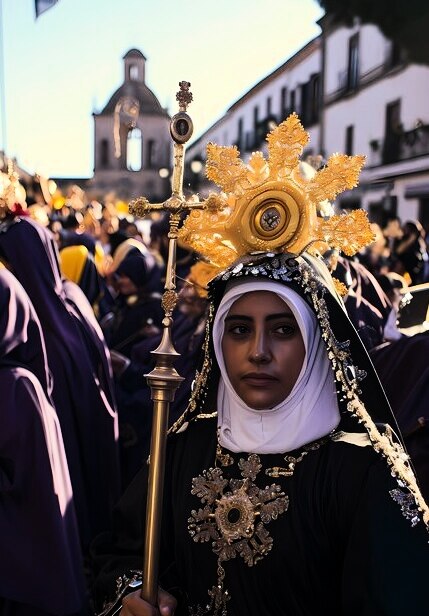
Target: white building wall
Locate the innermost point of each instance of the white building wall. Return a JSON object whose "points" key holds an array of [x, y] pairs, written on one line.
{"points": [[225, 131], [408, 209], [367, 109], [373, 51], [363, 108], [373, 48], [336, 55]]}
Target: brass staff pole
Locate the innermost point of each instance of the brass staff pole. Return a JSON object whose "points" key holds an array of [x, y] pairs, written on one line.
{"points": [[164, 379]]}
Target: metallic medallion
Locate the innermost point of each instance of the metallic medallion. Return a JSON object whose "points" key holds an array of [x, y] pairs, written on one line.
{"points": [[235, 516], [270, 219]]}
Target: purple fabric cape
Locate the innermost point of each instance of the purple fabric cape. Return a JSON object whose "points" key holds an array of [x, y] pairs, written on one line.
{"points": [[403, 369], [86, 411], [366, 303], [41, 563]]}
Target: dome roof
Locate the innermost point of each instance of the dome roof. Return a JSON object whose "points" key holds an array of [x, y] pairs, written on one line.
{"points": [[134, 53], [149, 104]]}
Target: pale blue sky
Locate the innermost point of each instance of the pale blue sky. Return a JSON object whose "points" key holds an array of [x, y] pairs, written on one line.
{"points": [[68, 62]]}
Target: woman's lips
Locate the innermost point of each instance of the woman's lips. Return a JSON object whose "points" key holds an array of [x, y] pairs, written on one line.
{"points": [[258, 379]]}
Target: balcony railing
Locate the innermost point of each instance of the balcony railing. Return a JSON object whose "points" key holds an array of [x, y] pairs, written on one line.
{"points": [[255, 139], [400, 146]]}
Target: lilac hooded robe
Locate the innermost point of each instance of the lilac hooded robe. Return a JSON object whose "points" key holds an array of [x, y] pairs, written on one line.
{"points": [[84, 404], [40, 566]]}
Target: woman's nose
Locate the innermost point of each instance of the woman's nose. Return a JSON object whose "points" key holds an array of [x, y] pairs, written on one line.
{"points": [[260, 350]]}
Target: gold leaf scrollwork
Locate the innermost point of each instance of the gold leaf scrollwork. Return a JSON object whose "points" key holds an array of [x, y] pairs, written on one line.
{"points": [[285, 145], [169, 301], [340, 173], [348, 233], [224, 166]]}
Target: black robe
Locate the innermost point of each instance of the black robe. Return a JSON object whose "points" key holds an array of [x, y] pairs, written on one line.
{"points": [[133, 322], [342, 547]]}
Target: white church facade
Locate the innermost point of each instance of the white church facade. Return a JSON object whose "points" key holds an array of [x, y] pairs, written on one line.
{"points": [[131, 138]]}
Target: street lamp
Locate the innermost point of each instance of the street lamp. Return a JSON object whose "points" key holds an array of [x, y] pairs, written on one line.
{"points": [[164, 173], [196, 166]]}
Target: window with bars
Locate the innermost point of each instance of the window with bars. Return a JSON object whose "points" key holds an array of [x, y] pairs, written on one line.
{"points": [[349, 145], [353, 63], [104, 153]]}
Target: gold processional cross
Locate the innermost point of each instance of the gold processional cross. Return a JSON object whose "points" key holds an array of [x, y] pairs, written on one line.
{"points": [[164, 379]]}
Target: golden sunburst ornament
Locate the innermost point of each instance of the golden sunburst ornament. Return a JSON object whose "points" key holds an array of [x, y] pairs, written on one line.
{"points": [[267, 204]]}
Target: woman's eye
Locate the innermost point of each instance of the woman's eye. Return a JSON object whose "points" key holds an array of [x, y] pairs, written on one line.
{"points": [[285, 330], [238, 329]]}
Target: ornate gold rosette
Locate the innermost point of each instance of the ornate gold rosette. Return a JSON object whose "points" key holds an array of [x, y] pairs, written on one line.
{"points": [[233, 518], [235, 511]]}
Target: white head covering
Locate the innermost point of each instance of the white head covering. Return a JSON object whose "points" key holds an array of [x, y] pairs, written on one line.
{"points": [[311, 409]]}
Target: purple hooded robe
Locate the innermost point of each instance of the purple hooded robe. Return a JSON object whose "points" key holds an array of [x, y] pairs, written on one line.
{"points": [[84, 403], [41, 565]]}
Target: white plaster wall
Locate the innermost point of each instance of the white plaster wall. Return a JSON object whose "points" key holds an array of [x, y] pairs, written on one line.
{"points": [[408, 209], [336, 58], [290, 78], [366, 110], [373, 49], [225, 131], [152, 127]]}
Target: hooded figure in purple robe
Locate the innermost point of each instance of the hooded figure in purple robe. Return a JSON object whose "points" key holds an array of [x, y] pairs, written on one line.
{"points": [[137, 308], [403, 369], [367, 305], [81, 393], [41, 565]]}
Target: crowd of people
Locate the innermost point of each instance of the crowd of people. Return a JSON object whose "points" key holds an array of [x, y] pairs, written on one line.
{"points": [[80, 297]]}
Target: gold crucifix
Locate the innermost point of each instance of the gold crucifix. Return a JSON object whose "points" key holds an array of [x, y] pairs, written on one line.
{"points": [[181, 129], [164, 379]]}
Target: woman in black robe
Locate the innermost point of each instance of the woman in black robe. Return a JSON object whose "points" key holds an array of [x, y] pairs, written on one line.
{"points": [[287, 491], [41, 571], [82, 388]]}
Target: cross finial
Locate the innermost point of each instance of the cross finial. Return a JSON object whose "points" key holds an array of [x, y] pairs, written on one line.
{"points": [[184, 96], [181, 129]]}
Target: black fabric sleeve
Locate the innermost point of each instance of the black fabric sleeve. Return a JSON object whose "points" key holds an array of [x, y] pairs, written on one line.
{"points": [[117, 552], [120, 551], [387, 560]]}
